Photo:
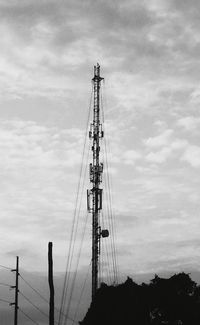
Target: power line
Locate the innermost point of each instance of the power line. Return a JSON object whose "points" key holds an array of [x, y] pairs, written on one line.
{"points": [[109, 210], [83, 288], [76, 270], [111, 219], [75, 220], [105, 249], [42, 297], [28, 316], [81, 242], [5, 284], [111, 223], [34, 305], [3, 300], [39, 308], [6, 267], [36, 291]]}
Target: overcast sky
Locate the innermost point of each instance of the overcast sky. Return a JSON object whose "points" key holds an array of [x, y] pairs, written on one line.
{"points": [[149, 52]]}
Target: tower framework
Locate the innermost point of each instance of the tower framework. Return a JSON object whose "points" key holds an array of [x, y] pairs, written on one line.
{"points": [[94, 195]]}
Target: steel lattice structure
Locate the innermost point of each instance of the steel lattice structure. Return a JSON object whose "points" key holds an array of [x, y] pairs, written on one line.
{"points": [[94, 195]]}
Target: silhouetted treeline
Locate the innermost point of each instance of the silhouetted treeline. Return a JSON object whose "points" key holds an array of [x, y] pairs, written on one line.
{"points": [[172, 301]]}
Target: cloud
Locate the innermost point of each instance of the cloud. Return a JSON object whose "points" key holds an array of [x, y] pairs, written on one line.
{"points": [[179, 144], [130, 156], [28, 144], [192, 155], [160, 156], [149, 54], [160, 140], [189, 123], [48, 47], [40, 168], [48, 39]]}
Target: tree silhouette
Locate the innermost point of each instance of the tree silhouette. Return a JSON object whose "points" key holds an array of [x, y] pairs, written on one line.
{"points": [[173, 301]]}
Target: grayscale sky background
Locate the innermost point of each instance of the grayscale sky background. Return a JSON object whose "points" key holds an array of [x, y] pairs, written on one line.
{"points": [[149, 52]]}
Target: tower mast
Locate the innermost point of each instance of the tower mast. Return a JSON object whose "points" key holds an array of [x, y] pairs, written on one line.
{"points": [[94, 195]]}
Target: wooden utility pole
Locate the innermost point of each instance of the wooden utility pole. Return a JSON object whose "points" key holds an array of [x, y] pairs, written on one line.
{"points": [[16, 287], [51, 286]]}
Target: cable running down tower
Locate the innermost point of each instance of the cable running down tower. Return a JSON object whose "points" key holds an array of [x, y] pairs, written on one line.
{"points": [[94, 195]]}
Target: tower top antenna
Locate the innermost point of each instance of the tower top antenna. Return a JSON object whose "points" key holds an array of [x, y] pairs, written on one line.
{"points": [[97, 73]]}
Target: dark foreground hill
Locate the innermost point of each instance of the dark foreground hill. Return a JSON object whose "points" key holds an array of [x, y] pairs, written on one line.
{"points": [[173, 301]]}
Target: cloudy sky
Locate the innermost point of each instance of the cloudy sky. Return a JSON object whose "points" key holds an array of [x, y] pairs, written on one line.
{"points": [[149, 52]]}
